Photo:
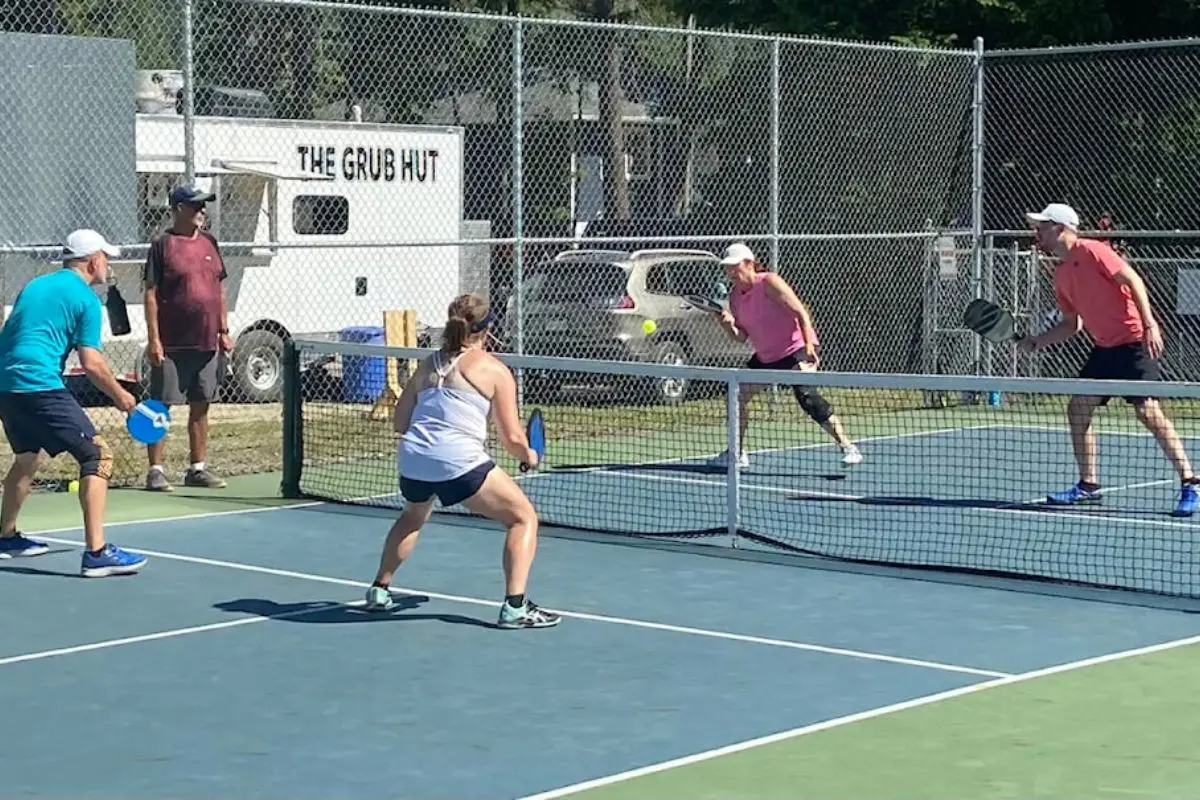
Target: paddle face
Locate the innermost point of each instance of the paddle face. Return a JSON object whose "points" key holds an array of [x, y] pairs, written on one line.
{"points": [[703, 303], [118, 313], [990, 321], [536, 431], [149, 421]]}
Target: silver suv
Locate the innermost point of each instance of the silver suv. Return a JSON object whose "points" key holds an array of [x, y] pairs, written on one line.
{"points": [[592, 304]]}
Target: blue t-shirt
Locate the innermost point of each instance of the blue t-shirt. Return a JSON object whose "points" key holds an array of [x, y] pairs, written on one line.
{"points": [[54, 314]]}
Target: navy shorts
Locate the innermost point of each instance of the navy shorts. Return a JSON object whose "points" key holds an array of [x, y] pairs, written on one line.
{"points": [[1126, 362], [52, 421], [451, 492]]}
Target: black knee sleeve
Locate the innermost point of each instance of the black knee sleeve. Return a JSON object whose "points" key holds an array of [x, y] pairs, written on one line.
{"points": [[95, 458], [813, 404]]}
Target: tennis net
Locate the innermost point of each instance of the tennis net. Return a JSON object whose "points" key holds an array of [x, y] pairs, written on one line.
{"points": [[955, 471]]}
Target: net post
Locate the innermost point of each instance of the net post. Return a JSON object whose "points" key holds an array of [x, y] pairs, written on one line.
{"points": [[733, 510], [293, 434]]}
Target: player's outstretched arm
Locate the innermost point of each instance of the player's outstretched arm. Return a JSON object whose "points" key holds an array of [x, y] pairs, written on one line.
{"points": [[507, 418], [402, 416], [100, 374]]}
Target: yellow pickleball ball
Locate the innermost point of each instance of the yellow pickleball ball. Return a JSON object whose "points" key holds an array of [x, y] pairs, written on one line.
{"points": [[73, 486], [649, 327]]}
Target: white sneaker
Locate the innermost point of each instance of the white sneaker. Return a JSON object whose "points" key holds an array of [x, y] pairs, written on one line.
{"points": [[722, 461], [851, 455]]}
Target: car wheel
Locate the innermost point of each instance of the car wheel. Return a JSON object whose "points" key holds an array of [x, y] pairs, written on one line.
{"points": [[670, 391]]}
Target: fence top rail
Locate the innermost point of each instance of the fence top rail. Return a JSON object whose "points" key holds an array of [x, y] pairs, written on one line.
{"points": [[473, 16], [1110, 234], [1087, 49], [567, 242]]}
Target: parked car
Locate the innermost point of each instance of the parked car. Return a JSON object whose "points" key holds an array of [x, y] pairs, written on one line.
{"points": [[593, 303]]}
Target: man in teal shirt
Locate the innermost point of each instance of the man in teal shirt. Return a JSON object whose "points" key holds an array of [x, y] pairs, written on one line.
{"points": [[53, 315]]}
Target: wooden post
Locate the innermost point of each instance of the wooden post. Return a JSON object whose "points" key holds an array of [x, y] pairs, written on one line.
{"points": [[399, 330]]}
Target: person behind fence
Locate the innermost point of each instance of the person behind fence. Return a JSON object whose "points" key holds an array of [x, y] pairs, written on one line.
{"points": [[54, 314], [442, 419], [187, 324], [765, 310], [1099, 292]]}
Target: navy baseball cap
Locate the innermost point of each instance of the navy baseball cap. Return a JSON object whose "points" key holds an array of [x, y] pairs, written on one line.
{"points": [[190, 195]]}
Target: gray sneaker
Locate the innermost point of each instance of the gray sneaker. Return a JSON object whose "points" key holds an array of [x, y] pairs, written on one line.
{"points": [[156, 481], [203, 479]]}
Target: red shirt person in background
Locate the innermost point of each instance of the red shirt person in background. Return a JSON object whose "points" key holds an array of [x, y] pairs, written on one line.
{"points": [[1098, 291], [187, 322]]}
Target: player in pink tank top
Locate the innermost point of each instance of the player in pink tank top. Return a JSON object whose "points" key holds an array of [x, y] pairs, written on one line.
{"points": [[764, 310]]}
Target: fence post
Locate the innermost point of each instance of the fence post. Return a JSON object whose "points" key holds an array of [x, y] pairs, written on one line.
{"points": [[189, 93], [977, 144], [776, 47], [775, 101], [518, 199]]}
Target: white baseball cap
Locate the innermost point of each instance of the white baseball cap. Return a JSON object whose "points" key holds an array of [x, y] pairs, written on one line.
{"points": [[84, 242], [736, 254], [1058, 213]]}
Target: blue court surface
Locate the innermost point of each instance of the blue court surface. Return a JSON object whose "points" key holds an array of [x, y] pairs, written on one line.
{"points": [[237, 665], [969, 498]]}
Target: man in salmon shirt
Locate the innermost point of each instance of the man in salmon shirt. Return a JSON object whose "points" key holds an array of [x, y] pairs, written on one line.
{"points": [[1099, 292]]}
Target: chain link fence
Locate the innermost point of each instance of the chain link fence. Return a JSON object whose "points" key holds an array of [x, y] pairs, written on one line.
{"points": [[584, 176]]}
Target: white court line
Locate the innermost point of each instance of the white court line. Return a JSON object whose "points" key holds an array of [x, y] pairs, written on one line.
{"points": [[1009, 508], [862, 716], [171, 634], [816, 446], [1064, 430], [634, 623]]}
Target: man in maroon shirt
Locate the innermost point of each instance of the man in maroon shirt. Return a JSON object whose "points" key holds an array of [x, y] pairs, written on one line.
{"points": [[187, 323]]}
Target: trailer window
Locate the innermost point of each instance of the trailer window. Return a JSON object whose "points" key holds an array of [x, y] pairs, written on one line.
{"points": [[320, 215]]}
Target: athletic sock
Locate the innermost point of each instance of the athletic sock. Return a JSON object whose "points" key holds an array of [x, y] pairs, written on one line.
{"points": [[515, 600], [1192, 481], [1089, 487], [379, 584]]}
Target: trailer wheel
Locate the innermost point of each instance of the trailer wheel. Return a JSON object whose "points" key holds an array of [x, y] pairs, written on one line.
{"points": [[258, 367]]}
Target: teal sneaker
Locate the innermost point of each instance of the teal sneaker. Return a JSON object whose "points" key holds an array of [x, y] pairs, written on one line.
{"points": [[526, 616], [378, 599]]}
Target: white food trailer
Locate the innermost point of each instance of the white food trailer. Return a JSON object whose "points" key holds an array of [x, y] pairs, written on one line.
{"points": [[317, 222]]}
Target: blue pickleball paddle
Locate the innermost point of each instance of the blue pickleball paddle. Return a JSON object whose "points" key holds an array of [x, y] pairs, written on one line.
{"points": [[149, 421], [536, 431]]}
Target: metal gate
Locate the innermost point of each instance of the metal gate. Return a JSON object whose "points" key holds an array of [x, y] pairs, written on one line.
{"points": [[1009, 277]]}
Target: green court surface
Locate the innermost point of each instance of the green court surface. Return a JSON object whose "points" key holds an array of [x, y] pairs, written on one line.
{"points": [[1125, 728], [60, 510]]}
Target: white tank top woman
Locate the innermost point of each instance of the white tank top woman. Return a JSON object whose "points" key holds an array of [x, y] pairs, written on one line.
{"points": [[447, 436]]}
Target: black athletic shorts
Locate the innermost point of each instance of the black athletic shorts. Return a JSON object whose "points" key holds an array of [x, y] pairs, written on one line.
{"points": [[811, 400], [1126, 362], [451, 492], [52, 421]]}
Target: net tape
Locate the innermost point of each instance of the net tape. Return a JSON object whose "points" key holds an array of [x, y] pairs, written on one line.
{"points": [[956, 473]]}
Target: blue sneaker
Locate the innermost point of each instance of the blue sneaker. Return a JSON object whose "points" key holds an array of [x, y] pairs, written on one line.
{"points": [[1076, 495], [1189, 499], [20, 547], [112, 560]]}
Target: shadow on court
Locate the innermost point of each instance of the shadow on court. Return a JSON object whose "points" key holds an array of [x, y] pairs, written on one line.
{"points": [[332, 613]]}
